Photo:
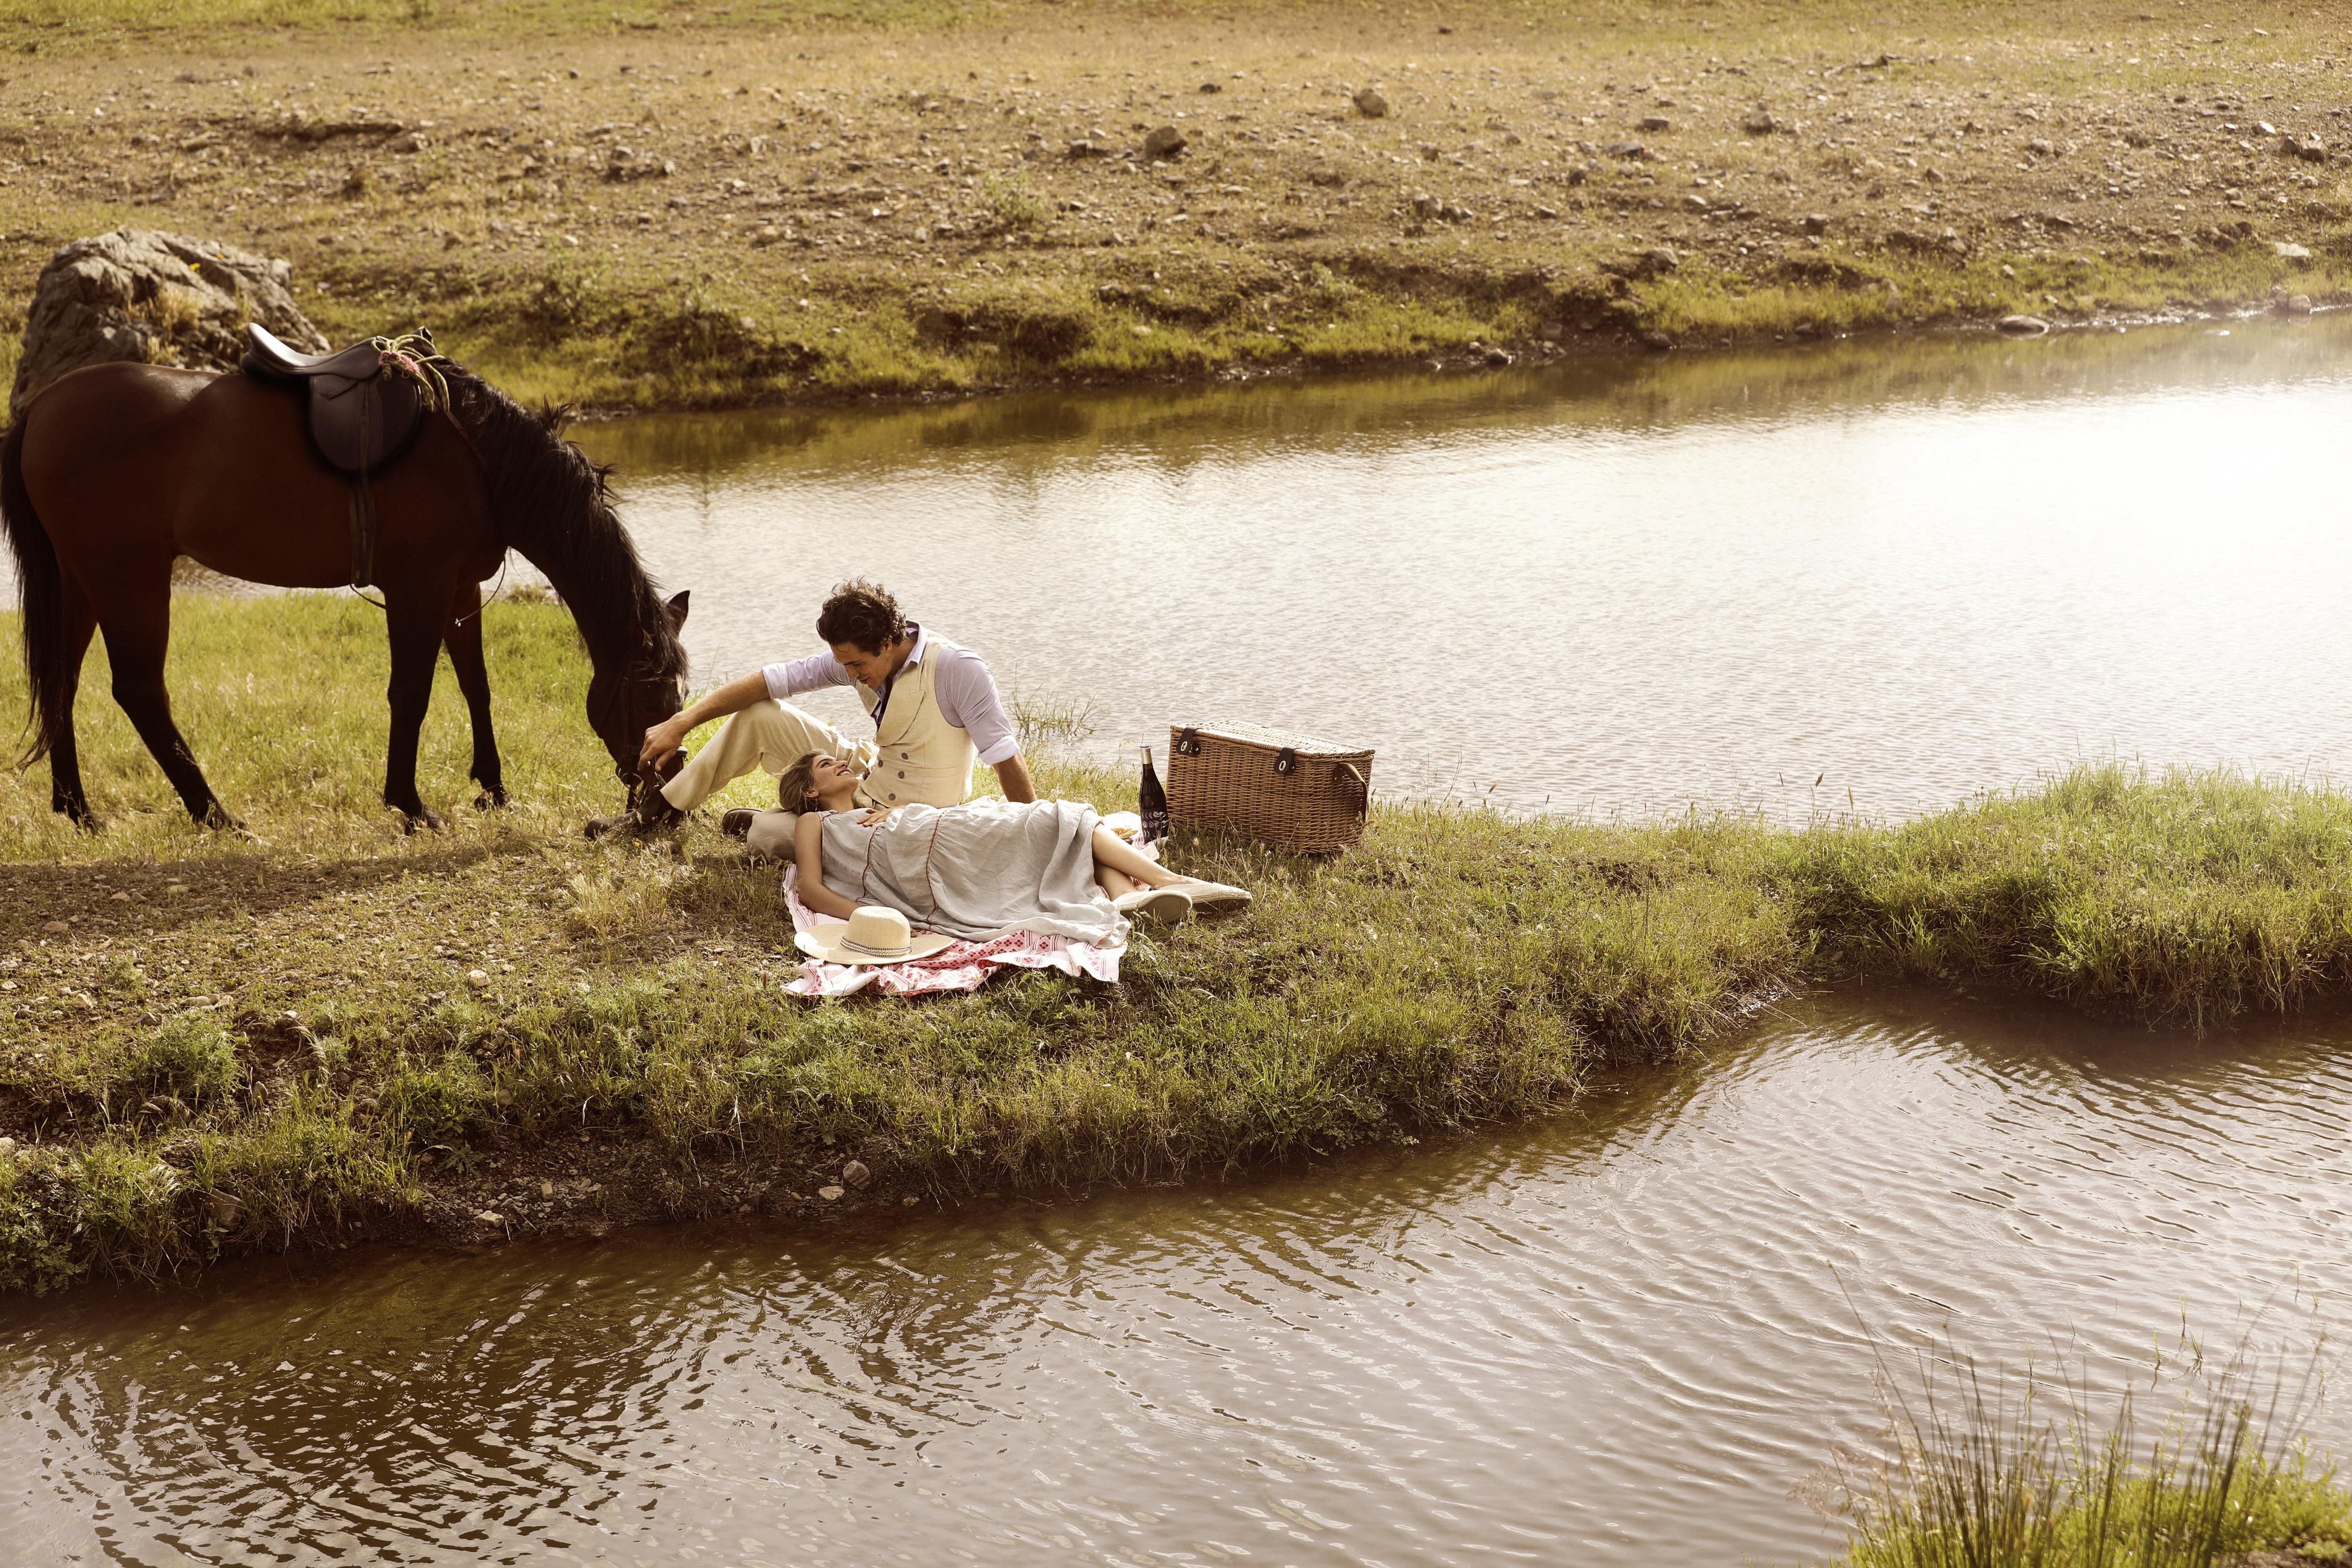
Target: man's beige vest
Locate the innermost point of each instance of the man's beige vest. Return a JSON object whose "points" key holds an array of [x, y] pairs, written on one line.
{"points": [[918, 756]]}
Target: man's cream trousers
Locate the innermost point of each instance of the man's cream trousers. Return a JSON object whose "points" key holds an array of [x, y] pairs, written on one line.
{"points": [[768, 734]]}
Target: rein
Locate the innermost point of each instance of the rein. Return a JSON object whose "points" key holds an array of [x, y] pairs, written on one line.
{"points": [[413, 355]]}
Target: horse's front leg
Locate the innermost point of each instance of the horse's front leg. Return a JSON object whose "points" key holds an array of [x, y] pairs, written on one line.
{"points": [[464, 636], [416, 622]]}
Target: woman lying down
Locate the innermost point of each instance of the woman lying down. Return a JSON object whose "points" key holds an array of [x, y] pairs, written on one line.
{"points": [[980, 868]]}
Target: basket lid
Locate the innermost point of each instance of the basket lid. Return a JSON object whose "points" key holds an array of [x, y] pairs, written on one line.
{"points": [[1276, 740]]}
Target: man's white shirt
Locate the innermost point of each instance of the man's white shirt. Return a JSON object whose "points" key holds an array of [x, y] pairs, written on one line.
{"points": [[965, 689]]}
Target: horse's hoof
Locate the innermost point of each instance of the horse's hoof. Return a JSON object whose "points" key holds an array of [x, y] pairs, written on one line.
{"points": [[491, 800], [86, 819], [422, 817], [216, 818]]}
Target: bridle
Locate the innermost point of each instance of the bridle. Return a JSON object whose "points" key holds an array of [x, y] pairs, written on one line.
{"points": [[618, 706]]}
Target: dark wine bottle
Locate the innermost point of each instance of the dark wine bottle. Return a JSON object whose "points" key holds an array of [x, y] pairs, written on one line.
{"points": [[1152, 803]]}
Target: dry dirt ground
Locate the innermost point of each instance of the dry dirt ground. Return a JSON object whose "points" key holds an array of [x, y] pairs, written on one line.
{"points": [[683, 208]]}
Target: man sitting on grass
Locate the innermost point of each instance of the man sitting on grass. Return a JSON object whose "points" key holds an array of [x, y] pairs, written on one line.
{"points": [[933, 703]]}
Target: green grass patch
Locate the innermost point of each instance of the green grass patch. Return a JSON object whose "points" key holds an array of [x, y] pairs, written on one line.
{"points": [[612, 335], [216, 1043], [2014, 1470]]}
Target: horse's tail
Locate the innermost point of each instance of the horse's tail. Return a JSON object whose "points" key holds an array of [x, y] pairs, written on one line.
{"points": [[41, 590]]}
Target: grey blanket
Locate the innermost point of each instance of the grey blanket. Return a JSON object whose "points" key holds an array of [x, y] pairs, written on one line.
{"points": [[979, 869]]}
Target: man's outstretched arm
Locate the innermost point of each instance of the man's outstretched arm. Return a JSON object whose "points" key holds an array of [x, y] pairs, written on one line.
{"points": [[668, 736]]}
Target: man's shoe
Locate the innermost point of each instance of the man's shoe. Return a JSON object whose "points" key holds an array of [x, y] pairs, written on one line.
{"points": [[651, 814], [737, 823]]}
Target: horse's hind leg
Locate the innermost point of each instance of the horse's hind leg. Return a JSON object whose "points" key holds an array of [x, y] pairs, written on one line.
{"points": [[416, 621], [464, 636], [138, 630], [66, 795]]}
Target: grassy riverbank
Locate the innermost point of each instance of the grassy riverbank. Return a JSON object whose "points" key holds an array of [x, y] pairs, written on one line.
{"points": [[752, 202], [214, 1044]]}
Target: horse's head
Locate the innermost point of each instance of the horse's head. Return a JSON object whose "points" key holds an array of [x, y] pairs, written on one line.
{"points": [[625, 702]]}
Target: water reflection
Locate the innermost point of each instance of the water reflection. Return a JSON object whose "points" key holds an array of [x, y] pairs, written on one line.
{"points": [[1886, 575], [1600, 1339]]}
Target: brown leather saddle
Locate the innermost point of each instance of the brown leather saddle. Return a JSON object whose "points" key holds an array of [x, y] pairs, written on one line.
{"points": [[361, 414]]}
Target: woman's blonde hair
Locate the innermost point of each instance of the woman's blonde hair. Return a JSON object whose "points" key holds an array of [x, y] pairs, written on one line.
{"points": [[796, 790]]}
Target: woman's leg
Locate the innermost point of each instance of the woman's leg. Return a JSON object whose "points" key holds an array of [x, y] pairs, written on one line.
{"points": [[1115, 859]]}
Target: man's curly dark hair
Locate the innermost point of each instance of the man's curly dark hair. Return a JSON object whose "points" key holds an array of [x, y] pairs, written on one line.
{"points": [[863, 615]]}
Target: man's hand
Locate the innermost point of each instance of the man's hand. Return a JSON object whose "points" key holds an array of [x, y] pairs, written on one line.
{"points": [[666, 737], [661, 740]]}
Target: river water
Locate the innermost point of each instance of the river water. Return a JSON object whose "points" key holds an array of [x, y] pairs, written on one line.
{"points": [[1909, 570], [1618, 1336]]}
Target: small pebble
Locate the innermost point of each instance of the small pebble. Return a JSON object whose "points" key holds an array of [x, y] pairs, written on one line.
{"points": [[855, 1174], [830, 1194], [55, 926], [547, 1189], [477, 978]]}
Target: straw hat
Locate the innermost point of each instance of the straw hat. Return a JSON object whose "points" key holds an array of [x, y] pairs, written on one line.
{"points": [[873, 935]]}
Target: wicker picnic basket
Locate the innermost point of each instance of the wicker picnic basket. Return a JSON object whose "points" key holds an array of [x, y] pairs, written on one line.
{"points": [[1293, 792]]}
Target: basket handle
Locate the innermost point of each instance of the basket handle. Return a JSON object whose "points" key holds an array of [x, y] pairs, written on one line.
{"points": [[1188, 744], [1285, 761], [1353, 784]]}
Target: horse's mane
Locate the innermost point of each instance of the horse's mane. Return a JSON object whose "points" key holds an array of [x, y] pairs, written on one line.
{"points": [[554, 505]]}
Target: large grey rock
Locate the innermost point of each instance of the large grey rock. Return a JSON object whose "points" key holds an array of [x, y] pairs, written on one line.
{"points": [[162, 299]]}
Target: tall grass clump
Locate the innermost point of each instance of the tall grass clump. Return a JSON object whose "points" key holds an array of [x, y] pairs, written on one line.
{"points": [[1997, 1471]]}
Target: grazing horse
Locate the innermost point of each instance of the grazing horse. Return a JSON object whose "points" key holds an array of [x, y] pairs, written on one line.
{"points": [[114, 470]]}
